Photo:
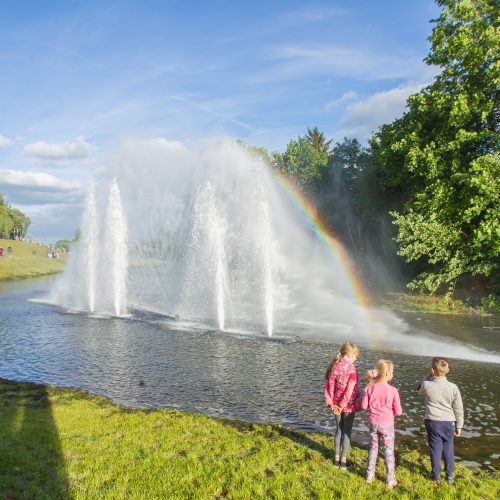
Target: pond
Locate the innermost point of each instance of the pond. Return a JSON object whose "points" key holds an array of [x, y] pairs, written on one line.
{"points": [[147, 361]]}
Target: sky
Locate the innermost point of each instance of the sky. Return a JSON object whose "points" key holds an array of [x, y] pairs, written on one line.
{"points": [[78, 77]]}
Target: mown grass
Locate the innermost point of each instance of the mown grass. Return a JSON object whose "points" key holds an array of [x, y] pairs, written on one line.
{"points": [[23, 264], [428, 303], [61, 443]]}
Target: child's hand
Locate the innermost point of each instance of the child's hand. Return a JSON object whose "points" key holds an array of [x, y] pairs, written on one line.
{"points": [[458, 432], [337, 410]]}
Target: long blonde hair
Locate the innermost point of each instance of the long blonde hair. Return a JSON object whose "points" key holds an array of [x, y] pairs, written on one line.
{"points": [[384, 368], [345, 349]]}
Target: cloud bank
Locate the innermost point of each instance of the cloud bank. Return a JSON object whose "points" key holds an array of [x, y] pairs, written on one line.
{"points": [[60, 150]]}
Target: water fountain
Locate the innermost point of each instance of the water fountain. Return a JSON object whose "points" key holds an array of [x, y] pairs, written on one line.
{"points": [[212, 239]]}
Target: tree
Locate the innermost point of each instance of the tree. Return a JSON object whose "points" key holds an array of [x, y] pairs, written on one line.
{"points": [[442, 155], [318, 140], [21, 223], [303, 163]]}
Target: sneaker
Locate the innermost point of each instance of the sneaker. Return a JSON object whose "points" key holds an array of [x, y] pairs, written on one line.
{"points": [[370, 479], [337, 462], [436, 483], [392, 484], [345, 465], [450, 480]]}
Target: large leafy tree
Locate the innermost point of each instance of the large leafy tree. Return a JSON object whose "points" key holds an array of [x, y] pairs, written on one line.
{"points": [[305, 163], [442, 155], [13, 222]]}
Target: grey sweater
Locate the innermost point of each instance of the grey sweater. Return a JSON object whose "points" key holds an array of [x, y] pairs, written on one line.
{"points": [[442, 401]]}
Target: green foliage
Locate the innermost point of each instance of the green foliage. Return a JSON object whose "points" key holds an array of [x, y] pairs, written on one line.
{"points": [[318, 140], [303, 162], [13, 222], [442, 157]]}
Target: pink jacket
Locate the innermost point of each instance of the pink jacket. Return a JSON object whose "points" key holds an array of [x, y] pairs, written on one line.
{"points": [[383, 403], [341, 389]]}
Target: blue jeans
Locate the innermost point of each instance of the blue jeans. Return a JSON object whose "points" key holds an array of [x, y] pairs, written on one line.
{"points": [[440, 435], [343, 433]]}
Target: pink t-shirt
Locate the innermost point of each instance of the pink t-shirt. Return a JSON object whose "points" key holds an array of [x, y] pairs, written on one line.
{"points": [[382, 401]]}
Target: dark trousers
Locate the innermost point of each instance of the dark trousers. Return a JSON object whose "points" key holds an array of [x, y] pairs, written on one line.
{"points": [[343, 433], [440, 435]]}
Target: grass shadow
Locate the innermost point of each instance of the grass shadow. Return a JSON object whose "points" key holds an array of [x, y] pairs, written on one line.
{"points": [[31, 459]]}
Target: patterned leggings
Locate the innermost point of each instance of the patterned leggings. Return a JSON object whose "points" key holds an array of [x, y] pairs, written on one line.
{"points": [[387, 434]]}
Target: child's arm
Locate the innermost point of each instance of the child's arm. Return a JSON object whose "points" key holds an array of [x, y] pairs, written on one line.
{"points": [[396, 404], [458, 409], [365, 400]]}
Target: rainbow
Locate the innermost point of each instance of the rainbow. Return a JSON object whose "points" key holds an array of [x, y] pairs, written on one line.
{"points": [[310, 214], [324, 235]]}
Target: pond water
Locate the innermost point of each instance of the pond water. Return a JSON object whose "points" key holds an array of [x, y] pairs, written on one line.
{"points": [[149, 361]]}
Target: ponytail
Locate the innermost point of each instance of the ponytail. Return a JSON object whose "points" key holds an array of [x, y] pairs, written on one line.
{"points": [[381, 370], [333, 362]]}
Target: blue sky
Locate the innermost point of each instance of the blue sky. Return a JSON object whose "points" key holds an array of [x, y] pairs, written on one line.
{"points": [[78, 76]]}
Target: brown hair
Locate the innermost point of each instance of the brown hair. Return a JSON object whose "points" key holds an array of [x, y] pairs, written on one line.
{"points": [[440, 366], [345, 349], [382, 369]]}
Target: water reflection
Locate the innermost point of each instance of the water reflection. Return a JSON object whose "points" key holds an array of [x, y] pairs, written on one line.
{"points": [[143, 364]]}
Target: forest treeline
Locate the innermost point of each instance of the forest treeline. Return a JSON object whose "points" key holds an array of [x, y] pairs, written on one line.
{"points": [[422, 198], [13, 222]]}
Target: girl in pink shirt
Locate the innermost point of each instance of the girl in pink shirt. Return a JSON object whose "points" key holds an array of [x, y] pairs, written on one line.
{"points": [[383, 403], [342, 396]]}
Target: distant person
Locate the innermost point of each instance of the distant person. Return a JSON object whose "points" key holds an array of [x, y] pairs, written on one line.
{"points": [[33, 252], [444, 418], [1, 252], [342, 396], [383, 404], [9, 251]]}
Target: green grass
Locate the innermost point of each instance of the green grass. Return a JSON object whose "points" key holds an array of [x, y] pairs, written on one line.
{"points": [[23, 264], [61, 443], [428, 303]]}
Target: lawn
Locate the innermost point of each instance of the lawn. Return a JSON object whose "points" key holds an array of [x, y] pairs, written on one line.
{"points": [[23, 264], [62, 443]]}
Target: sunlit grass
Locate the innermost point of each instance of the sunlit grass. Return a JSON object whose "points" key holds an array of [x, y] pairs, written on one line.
{"points": [[23, 264], [428, 303], [66, 443]]}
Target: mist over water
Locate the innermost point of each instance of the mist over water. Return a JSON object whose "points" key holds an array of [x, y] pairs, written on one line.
{"points": [[209, 237]]}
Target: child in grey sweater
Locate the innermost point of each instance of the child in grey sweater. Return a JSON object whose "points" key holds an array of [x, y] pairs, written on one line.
{"points": [[444, 417]]}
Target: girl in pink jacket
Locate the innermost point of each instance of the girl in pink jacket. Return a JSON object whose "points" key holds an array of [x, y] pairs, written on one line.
{"points": [[342, 396], [383, 403]]}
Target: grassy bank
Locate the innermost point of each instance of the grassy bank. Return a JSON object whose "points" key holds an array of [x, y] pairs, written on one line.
{"points": [[23, 264], [68, 444], [428, 303]]}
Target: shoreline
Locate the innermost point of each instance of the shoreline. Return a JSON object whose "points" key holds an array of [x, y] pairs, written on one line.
{"points": [[96, 447]]}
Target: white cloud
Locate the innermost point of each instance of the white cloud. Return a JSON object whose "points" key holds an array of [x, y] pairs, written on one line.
{"points": [[363, 117], [27, 188], [344, 98], [60, 151], [5, 141]]}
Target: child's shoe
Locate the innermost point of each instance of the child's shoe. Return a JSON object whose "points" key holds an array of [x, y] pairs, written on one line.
{"points": [[345, 465], [450, 480], [392, 484], [370, 479], [337, 462]]}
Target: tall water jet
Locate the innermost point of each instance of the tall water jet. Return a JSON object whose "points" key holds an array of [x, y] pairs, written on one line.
{"points": [[116, 241], [207, 268], [266, 246], [89, 243]]}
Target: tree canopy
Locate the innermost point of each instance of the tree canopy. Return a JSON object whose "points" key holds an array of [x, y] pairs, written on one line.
{"points": [[442, 155]]}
